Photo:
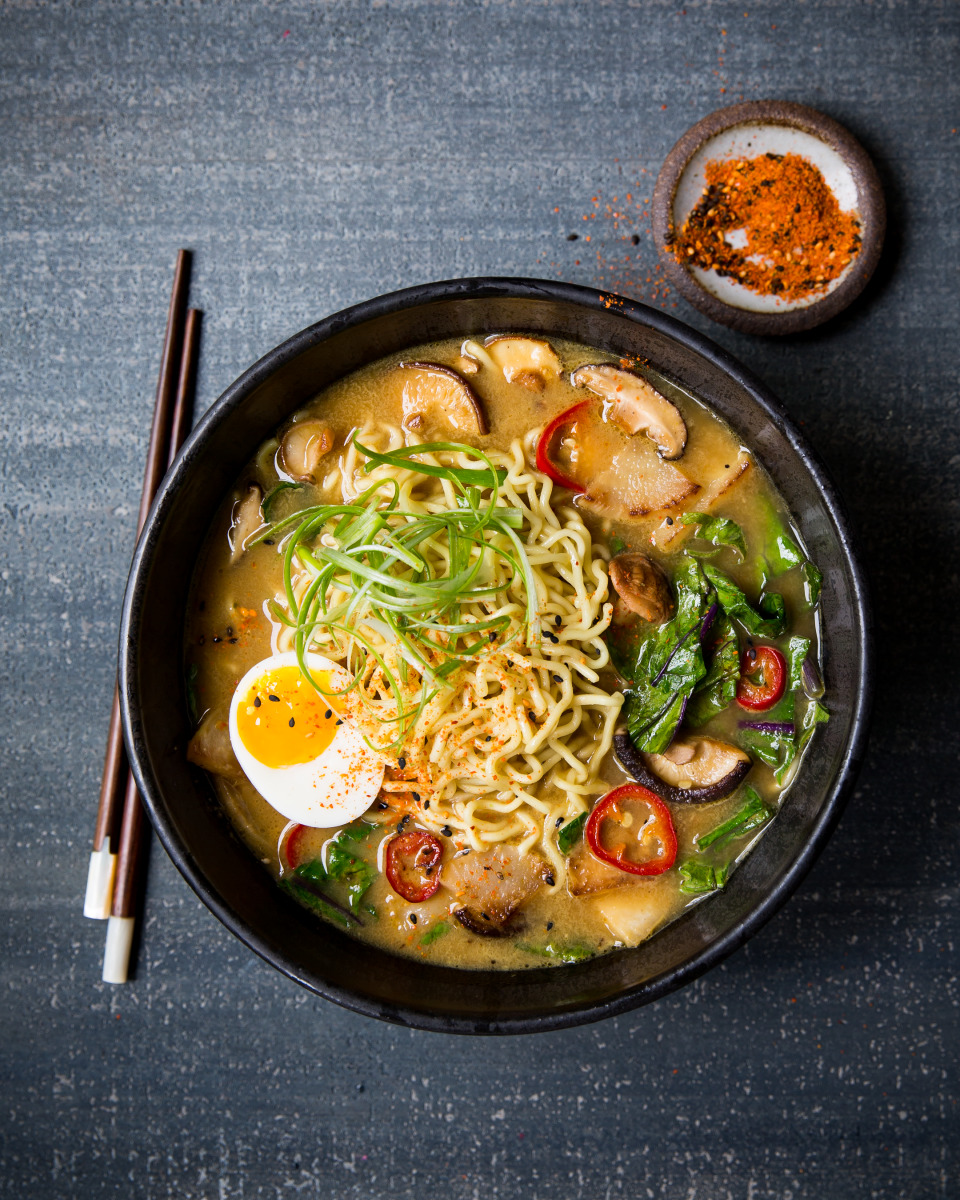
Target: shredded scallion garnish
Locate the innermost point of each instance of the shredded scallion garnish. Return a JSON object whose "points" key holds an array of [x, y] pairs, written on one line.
{"points": [[375, 566]]}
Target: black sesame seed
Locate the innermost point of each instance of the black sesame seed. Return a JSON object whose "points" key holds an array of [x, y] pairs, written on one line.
{"points": [[447, 831], [216, 639], [488, 738], [339, 722], [635, 239], [558, 620], [669, 520], [229, 631], [405, 821], [291, 722], [559, 821], [573, 237], [268, 541], [275, 699], [412, 918], [401, 762], [549, 924], [426, 804], [726, 466], [416, 796], [329, 713], [256, 702], [492, 635], [486, 918], [549, 879], [558, 679], [381, 805], [233, 641]]}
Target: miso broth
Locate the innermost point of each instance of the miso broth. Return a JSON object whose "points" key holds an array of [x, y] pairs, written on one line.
{"points": [[481, 659]]}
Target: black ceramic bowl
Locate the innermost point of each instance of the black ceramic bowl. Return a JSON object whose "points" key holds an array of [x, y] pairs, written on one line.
{"points": [[182, 804]]}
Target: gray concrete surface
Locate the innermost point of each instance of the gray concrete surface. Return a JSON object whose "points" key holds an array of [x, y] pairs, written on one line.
{"points": [[314, 155]]}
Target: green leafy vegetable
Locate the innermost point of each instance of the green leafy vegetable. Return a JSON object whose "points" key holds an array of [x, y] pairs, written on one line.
{"points": [[274, 492], [815, 715], [753, 814], [353, 874], [768, 622], [567, 954], [669, 664], [718, 688], [571, 833], [309, 883], [776, 749], [719, 531], [812, 582], [193, 672], [797, 650], [698, 878], [773, 608], [617, 545], [781, 554], [434, 933]]}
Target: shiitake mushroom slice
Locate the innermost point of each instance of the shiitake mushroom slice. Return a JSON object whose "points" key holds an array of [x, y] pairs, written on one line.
{"points": [[436, 396]]}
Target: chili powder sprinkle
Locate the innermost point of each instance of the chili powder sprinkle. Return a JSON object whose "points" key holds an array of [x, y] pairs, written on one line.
{"points": [[797, 239]]}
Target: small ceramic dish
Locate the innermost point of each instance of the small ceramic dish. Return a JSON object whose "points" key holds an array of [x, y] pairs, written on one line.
{"points": [[747, 131]]}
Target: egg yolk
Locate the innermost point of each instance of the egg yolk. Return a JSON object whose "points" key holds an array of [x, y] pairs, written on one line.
{"points": [[284, 721]]}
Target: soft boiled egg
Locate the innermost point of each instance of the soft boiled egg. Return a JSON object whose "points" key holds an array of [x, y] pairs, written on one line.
{"points": [[303, 757]]}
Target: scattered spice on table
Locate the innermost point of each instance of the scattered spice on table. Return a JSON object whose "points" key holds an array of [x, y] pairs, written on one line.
{"points": [[797, 238]]}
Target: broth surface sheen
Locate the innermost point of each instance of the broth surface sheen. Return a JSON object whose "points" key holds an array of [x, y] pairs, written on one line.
{"points": [[346, 872]]}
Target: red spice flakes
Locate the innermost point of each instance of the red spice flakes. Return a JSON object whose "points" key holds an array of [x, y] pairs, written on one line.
{"points": [[797, 238]]}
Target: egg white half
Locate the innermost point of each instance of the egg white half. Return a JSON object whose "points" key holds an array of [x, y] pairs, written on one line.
{"points": [[336, 787]]}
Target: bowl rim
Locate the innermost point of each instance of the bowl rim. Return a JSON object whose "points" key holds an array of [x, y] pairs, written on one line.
{"points": [[492, 287]]}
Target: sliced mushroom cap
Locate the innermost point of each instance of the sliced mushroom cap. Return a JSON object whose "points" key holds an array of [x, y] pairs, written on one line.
{"points": [[210, 747], [635, 406], [642, 587], [693, 770], [530, 362], [490, 887], [696, 762], [245, 519], [304, 445], [434, 395]]}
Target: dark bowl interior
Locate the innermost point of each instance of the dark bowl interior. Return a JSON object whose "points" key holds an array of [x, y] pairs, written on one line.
{"points": [[182, 804]]}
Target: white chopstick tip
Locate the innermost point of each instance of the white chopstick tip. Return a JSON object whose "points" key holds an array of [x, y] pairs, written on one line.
{"points": [[100, 876], [116, 954]]}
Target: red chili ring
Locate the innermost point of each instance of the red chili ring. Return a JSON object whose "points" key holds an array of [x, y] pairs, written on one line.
{"points": [[773, 668], [544, 462], [410, 852], [609, 809]]}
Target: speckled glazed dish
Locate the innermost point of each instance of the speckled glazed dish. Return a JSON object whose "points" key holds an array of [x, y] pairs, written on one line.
{"points": [[747, 131], [181, 802]]}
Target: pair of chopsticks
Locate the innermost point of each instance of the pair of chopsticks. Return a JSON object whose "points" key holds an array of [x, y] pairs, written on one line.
{"points": [[115, 876]]}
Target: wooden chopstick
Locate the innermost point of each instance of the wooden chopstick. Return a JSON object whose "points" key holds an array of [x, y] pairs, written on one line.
{"points": [[103, 857], [131, 861]]}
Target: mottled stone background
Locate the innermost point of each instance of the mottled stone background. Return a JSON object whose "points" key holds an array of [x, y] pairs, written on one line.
{"points": [[314, 155]]}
